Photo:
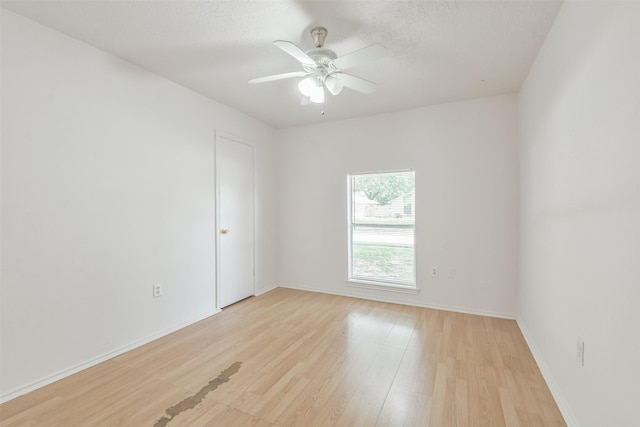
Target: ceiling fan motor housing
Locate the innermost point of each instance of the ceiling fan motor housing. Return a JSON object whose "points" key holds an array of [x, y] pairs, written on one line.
{"points": [[322, 56]]}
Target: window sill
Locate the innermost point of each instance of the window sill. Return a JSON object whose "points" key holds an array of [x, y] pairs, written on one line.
{"points": [[389, 287]]}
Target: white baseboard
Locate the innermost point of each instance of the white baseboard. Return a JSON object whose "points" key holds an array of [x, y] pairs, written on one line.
{"points": [[561, 401], [414, 304], [5, 397], [264, 291]]}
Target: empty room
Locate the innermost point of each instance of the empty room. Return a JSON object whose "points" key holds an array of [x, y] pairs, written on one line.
{"points": [[320, 213]]}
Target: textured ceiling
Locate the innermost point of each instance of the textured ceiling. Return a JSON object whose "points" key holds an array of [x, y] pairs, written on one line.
{"points": [[438, 52]]}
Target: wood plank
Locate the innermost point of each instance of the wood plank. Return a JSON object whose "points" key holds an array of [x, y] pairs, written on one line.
{"points": [[309, 359]]}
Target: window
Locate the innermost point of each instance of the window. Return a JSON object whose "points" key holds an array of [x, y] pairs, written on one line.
{"points": [[381, 228]]}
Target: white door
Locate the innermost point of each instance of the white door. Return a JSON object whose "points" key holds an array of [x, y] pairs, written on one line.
{"points": [[235, 241]]}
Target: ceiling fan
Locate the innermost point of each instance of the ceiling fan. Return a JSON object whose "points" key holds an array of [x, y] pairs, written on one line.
{"points": [[322, 68]]}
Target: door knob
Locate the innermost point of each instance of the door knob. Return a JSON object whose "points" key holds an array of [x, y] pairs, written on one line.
{"points": [[224, 231]]}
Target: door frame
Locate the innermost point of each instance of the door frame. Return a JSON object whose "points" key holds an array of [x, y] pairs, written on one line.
{"points": [[217, 135]]}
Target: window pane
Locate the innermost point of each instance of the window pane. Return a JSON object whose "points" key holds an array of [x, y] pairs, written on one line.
{"points": [[382, 227]]}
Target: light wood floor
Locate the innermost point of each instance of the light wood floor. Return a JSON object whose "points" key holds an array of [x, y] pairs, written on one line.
{"points": [[294, 358]]}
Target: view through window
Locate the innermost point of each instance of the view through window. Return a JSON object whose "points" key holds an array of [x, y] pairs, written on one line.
{"points": [[382, 225]]}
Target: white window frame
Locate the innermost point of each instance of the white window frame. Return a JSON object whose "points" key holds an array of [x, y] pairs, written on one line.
{"points": [[368, 283]]}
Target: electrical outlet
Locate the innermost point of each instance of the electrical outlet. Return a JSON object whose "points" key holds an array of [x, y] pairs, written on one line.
{"points": [[157, 290], [580, 351], [434, 271]]}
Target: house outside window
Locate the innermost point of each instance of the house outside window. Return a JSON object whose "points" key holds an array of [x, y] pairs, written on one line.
{"points": [[382, 228]]}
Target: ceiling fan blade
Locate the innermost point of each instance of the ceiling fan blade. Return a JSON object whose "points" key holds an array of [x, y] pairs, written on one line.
{"points": [[278, 77], [358, 84], [295, 51], [360, 56], [305, 100]]}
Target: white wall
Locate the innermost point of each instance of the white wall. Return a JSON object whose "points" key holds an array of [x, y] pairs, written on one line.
{"points": [[465, 159], [107, 188], [580, 203]]}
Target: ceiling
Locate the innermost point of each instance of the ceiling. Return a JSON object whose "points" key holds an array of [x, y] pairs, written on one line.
{"points": [[438, 51]]}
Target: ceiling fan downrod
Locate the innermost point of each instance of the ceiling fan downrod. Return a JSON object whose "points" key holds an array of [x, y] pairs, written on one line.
{"points": [[319, 34]]}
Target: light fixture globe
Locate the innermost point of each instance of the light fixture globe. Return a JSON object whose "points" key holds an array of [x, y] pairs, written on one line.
{"points": [[317, 97], [311, 87], [334, 84], [308, 86]]}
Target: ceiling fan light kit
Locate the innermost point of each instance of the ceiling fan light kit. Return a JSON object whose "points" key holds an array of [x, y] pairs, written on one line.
{"points": [[323, 68]]}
